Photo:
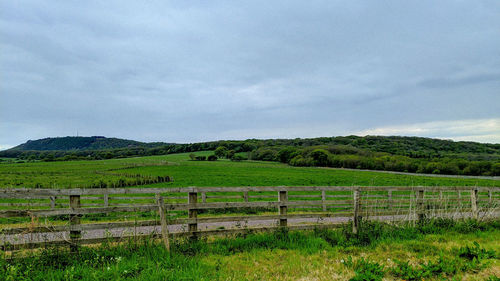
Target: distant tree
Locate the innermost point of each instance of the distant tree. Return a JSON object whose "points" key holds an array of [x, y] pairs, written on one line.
{"points": [[192, 156], [286, 154], [238, 157], [230, 154], [320, 157], [220, 151]]}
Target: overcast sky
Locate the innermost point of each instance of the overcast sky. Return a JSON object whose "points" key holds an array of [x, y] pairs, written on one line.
{"points": [[189, 71]]}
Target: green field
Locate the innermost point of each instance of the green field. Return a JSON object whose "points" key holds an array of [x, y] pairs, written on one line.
{"points": [[432, 252], [204, 173]]}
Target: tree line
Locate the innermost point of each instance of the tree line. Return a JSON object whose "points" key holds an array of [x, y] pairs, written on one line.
{"points": [[404, 154]]}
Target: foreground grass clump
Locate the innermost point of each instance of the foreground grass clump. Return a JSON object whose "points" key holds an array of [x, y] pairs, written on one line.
{"points": [[436, 250]]}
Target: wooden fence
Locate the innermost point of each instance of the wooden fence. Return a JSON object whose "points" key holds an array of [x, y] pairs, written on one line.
{"points": [[25, 212]]}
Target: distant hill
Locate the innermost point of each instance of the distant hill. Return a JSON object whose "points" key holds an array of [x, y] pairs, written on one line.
{"points": [[392, 153], [81, 143]]}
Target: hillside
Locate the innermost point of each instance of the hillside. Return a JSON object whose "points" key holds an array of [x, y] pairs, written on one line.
{"points": [[393, 153], [80, 143]]}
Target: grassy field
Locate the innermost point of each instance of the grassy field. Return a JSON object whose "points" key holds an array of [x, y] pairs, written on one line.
{"points": [[205, 173], [439, 250]]}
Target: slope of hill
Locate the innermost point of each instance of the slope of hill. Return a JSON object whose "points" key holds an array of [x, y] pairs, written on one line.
{"points": [[80, 143], [394, 153]]}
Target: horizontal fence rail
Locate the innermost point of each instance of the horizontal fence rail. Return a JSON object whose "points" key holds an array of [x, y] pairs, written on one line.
{"points": [[33, 218]]}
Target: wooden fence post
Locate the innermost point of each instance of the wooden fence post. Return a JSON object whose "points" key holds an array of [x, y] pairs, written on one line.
{"points": [[283, 198], [356, 209], [490, 197], [323, 199], [389, 199], [245, 196], [193, 213], [74, 220], [105, 198], [473, 203], [204, 197], [163, 220], [420, 206], [52, 202]]}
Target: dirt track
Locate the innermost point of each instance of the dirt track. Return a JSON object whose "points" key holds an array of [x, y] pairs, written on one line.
{"points": [[178, 228]]}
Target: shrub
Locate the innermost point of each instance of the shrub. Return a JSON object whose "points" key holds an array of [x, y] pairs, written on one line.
{"points": [[320, 157], [212, 158], [220, 152], [300, 161], [238, 157], [286, 154], [230, 154]]}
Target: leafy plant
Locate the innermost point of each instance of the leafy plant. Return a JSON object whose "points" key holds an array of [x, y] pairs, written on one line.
{"points": [[365, 269], [475, 252]]}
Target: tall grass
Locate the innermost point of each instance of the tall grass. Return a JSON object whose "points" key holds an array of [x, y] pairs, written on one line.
{"points": [[148, 260]]}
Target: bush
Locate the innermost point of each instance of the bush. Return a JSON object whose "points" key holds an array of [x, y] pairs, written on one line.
{"points": [[320, 157], [286, 154], [238, 157], [212, 158], [220, 152]]}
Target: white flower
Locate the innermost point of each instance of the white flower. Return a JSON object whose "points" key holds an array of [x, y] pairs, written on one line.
{"points": [[342, 261]]}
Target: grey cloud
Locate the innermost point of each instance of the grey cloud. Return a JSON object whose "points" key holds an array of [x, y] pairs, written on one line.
{"points": [[457, 82], [192, 70]]}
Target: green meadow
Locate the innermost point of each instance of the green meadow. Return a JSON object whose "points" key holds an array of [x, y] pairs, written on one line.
{"points": [[185, 172], [439, 250]]}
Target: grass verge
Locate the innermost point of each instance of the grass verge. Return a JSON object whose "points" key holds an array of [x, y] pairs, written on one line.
{"points": [[437, 250]]}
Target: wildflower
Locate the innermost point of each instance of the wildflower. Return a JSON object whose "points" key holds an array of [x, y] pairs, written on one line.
{"points": [[342, 260]]}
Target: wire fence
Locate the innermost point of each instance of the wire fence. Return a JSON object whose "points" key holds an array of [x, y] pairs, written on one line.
{"points": [[34, 218]]}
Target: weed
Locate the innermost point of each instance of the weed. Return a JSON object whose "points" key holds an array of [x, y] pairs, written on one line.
{"points": [[475, 252], [365, 269]]}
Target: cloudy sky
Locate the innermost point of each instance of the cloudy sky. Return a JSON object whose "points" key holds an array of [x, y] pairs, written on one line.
{"points": [[188, 71]]}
